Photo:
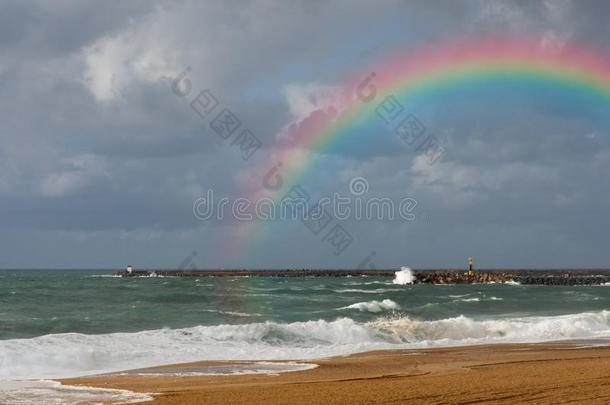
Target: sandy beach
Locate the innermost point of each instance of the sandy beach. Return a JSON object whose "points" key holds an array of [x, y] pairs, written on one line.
{"points": [[507, 373]]}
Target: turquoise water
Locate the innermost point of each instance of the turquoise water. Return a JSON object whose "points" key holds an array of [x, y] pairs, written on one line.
{"points": [[55, 323]]}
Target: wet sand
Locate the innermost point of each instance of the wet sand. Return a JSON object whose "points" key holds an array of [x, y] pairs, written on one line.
{"points": [[508, 373]]}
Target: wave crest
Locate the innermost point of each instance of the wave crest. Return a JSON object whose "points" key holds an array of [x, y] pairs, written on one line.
{"points": [[463, 330], [73, 354], [374, 306]]}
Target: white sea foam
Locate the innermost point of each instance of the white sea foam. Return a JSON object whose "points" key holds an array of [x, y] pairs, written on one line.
{"points": [[357, 290], [464, 330], [374, 306], [382, 282], [404, 276], [259, 367], [104, 276], [73, 354], [52, 392], [231, 313], [512, 282], [361, 282]]}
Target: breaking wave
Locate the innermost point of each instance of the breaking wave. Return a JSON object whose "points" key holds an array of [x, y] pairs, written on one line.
{"points": [[464, 330], [374, 306], [73, 354], [356, 290]]}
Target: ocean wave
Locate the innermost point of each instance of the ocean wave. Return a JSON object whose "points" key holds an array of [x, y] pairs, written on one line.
{"points": [[358, 290], [53, 392], [478, 299], [74, 354], [369, 282], [374, 306], [231, 313], [381, 282], [464, 330], [103, 276]]}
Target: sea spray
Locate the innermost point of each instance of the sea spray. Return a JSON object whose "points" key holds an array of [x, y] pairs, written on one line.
{"points": [[374, 306], [404, 276]]}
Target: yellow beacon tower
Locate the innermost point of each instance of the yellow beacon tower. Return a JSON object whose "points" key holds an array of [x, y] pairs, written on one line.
{"points": [[470, 273]]}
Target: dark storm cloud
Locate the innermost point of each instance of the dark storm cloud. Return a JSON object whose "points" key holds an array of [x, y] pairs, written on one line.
{"points": [[39, 29], [100, 161]]}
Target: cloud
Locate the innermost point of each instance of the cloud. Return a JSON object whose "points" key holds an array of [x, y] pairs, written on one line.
{"points": [[80, 171], [115, 63], [304, 99], [90, 124]]}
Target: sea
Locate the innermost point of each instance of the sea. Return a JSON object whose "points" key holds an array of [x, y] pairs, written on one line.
{"points": [[68, 323]]}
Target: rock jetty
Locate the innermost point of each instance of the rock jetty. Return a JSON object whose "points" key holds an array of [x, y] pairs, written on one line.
{"points": [[454, 276]]}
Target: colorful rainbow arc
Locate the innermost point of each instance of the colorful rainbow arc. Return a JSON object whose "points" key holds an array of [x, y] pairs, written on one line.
{"points": [[580, 69]]}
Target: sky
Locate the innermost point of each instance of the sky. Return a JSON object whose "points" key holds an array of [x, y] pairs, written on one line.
{"points": [[102, 160]]}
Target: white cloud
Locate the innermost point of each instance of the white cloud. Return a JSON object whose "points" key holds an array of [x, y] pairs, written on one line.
{"points": [[303, 99], [457, 184], [112, 64], [558, 9], [140, 53], [552, 41], [502, 11], [79, 172], [60, 184], [551, 19]]}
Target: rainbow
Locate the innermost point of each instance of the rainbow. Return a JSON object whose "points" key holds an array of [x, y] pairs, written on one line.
{"points": [[581, 70]]}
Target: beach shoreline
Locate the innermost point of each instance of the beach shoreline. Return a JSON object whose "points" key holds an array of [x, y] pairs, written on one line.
{"points": [[551, 372]]}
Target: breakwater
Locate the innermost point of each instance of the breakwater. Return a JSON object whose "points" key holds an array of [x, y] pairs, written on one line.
{"points": [[451, 276]]}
